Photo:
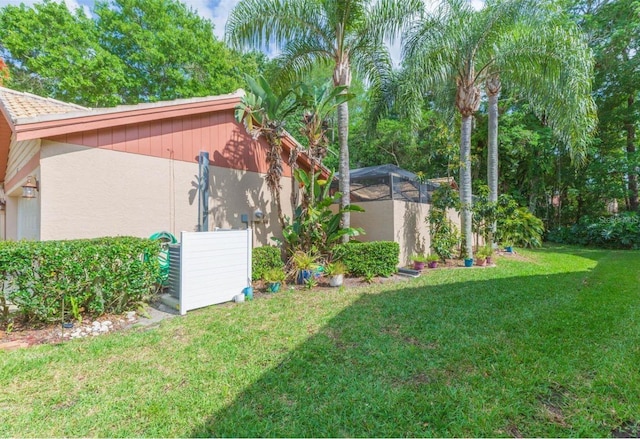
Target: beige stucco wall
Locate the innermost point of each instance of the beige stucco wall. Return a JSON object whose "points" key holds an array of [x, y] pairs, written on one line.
{"points": [[90, 192], [411, 230], [399, 221], [376, 220]]}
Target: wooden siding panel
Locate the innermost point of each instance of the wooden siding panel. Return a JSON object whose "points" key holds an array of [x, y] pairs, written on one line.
{"points": [[132, 139], [155, 139], [177, 141], [90, 138], [166, 139], [144, 139], [182, 138], [75, 139], [19, 155], [105, 138], [187, 139], [119, 138], [196, 139]]}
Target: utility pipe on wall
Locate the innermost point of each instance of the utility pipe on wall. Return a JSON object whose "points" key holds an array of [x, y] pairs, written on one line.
{"points": [[203, 190]]}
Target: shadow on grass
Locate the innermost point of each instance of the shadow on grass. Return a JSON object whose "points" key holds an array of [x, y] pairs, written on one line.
{"points": [[499, 357]]}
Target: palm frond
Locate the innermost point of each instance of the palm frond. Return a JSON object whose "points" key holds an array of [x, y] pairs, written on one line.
{"points": [[260, 23]]}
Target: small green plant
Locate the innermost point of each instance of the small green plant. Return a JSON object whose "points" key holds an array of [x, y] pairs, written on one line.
{"points": [[432, 258], [368, 277], [335, 268], [311, 282], [481, 253], [302, 265], [274, 275], [75, 309], [418, 258]]}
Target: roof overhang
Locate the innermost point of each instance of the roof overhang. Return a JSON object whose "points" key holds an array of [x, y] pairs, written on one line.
{"points": [[25, 129]]}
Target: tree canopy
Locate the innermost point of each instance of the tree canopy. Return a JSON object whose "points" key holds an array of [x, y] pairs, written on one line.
{"points": [[129, 51]]}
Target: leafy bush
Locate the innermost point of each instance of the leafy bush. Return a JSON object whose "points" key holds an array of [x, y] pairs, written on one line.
{"points": [[98, 275], [622, 231], [315, 227], [377, 258], [444, 234], [516, 225], [264, 259]]}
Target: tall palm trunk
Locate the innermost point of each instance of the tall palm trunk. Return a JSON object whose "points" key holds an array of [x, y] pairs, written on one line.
{"points": [[493, 87], [467, 102], [342, 77], [631, 150], [465, 183]]}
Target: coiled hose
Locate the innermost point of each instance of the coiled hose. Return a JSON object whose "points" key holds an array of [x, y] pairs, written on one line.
{"points": [[165, 238]]}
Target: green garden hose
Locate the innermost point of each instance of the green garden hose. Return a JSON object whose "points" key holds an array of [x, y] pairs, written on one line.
{"points": [[165, 238]]}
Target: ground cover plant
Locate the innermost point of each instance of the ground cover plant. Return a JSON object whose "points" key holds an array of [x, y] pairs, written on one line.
{"points": [[544, 345]]}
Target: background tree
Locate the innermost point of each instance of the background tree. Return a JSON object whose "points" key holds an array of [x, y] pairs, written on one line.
{"points": [[614, 30], [347, 34], [131, 51], [513, 42], [54, 52]]}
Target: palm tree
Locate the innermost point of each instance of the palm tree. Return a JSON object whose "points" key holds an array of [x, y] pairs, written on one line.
{"points": [[441, 50], [468, 48], [544, 58], [262, 112], [346, 34]]}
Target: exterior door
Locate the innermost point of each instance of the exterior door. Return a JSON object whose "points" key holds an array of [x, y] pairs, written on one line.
{"points": [[29, 219]]}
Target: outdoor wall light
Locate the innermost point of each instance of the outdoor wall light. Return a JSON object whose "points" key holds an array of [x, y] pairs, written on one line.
{"points": [[30, 187], [3, 204]]}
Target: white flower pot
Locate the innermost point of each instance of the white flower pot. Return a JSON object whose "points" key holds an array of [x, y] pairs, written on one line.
{"points": [[336, 281]]}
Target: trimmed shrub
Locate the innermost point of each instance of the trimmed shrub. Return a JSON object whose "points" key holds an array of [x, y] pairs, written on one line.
{"points": [[105, 275], [377, 258], [264, 259]]}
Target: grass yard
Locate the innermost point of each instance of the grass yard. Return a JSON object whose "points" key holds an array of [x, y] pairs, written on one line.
{"points": [[549, 347]]}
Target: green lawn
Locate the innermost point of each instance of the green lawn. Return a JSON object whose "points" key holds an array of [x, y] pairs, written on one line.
{"points": [[549, 347]]}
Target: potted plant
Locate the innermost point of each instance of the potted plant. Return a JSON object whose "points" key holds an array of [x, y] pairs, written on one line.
{"points": [[274, 278], [418, 261], [489, 252], [432, 261], [481, 257], [335, 271], [303, 265]]}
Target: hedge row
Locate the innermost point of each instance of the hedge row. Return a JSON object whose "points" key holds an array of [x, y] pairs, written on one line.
{"points": [[264, 259], [105, 275], [377, 258]]}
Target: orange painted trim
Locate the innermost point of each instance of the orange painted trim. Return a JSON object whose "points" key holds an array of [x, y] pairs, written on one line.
{"points": [[38, 130], [27, 169]]}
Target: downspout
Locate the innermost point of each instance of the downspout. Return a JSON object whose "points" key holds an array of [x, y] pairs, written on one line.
{"points": [[203, 203]]}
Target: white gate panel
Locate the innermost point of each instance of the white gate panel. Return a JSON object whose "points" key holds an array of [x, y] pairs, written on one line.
{"points": [[214, 267]]}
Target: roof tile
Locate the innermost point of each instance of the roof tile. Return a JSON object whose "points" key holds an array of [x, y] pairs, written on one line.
{"points": [[19, 105]]}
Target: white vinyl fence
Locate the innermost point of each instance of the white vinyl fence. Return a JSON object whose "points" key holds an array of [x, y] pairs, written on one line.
{"points": [[214, 267]]}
